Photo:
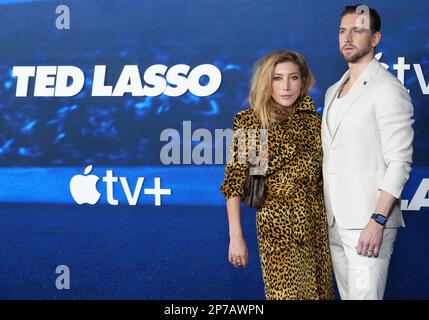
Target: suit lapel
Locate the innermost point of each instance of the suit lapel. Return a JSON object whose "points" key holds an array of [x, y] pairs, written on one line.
{"points": [[358, 88], [328, 131]]}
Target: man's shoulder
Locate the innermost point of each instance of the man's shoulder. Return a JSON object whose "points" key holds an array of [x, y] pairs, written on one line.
{"points": [[385, 76], [332, 87], [387, 83]]}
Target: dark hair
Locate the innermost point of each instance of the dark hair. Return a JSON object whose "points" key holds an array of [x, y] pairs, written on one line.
{"points": [[374, 17]]}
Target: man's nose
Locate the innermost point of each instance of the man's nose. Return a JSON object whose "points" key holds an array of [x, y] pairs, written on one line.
{"points": [[349, 36]]}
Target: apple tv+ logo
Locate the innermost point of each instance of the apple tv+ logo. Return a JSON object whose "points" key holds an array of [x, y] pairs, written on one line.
{"points": [[83, 188]]}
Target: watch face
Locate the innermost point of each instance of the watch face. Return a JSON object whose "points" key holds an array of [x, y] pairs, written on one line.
{"points": [[381, 219]]}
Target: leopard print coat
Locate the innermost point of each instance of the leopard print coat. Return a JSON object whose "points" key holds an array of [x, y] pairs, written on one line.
{"points": [[291, 226]]}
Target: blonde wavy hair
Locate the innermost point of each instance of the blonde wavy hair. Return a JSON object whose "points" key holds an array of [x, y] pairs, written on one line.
{"points": [[260, 100]]}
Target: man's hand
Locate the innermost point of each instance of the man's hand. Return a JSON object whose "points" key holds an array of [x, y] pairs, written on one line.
{"points": [[370, 239]]}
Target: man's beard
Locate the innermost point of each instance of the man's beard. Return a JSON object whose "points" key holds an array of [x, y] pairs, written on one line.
{"points": [[358, 55]]}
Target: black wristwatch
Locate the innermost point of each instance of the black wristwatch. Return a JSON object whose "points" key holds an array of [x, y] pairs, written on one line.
{"points": [[379, 218]]}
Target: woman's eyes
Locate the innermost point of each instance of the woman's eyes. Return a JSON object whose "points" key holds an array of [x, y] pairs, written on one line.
{"points": [[280, 78]]}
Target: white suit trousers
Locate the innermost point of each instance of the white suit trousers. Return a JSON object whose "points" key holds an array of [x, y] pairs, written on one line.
{"points": [[359, 277]]}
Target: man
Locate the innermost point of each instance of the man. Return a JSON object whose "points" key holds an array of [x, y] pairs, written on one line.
{"points": [[367, 143]]}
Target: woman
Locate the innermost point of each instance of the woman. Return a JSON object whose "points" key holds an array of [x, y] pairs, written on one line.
{"points": [[291, 225]]}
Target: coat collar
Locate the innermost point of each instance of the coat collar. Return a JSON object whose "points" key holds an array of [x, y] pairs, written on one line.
{"points": [[304, 104]]}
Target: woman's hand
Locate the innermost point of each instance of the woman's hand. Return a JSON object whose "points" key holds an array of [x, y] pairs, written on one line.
{"points": [[238, 253]]}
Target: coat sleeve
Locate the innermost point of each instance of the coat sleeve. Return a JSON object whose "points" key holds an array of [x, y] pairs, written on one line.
{"points": [[394, 113], [237, 165]]}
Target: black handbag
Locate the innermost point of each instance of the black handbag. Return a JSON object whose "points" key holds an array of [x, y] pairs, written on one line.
{"points": [[254, 191]]}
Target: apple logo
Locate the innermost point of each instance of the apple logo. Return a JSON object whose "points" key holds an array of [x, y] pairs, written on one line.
{"points": [[84, 187]]}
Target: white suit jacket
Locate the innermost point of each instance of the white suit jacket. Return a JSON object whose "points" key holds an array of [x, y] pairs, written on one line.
{"points": [[368, 149]]}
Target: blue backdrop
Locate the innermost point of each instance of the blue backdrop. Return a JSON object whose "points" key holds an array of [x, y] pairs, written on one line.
{"points": [[178, 248]]}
